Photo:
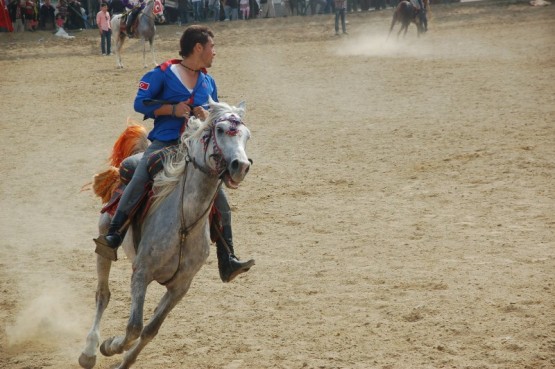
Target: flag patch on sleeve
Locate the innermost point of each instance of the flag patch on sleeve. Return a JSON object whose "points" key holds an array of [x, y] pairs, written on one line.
{"points": [[143, 85]]}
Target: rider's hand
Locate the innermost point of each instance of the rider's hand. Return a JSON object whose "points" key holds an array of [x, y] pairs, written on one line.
{"points": [[200, 112], [182, 109]]}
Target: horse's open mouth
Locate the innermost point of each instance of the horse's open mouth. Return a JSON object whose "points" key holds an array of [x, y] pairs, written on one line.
{"points": [[230, 183]]}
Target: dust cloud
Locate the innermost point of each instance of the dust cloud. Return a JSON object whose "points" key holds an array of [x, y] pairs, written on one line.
{"points": [[425, 47], [46, 313]]}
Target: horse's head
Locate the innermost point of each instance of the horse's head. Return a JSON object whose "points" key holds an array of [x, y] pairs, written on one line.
{"points": [[224, 139], [158, 11]]}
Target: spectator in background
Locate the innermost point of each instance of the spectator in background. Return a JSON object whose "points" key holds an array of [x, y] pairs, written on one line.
{"points": [[116, 7], [74, 18], [422, 13], [231, 9], [340, 10], [245, 9], [197, 10], [59, 21], [317, 6], [16, 10], [104, 28], [46, 16], [255, 8], [268, 10], [216, 7], [380, 4], [31, 16], [62, 13], [353, 5], [289, 8], [183, 10]]}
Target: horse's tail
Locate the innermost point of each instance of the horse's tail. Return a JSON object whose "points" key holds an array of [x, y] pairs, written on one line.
{"points": [[105, 183], [132, 141]]}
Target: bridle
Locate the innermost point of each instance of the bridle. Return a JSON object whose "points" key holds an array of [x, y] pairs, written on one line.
{"points": [[217, 154], [156, 14], [217, 172]]}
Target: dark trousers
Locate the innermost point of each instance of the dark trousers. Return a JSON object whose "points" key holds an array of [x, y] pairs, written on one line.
{"points": [[340, 14], [106, 42]]}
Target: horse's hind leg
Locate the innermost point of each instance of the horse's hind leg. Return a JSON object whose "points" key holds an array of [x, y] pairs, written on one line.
{"points": [[88, 357], [406, 28], [119, 44]]}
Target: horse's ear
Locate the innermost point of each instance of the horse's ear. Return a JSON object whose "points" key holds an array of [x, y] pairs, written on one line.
{"points": [[242, 106]]}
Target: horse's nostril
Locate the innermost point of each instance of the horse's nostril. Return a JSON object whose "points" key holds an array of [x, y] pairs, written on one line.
{"points": [[235, 165]]}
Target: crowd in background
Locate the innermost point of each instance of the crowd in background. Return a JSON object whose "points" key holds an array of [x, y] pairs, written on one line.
{"points": [[31, 15], [184, 11]]}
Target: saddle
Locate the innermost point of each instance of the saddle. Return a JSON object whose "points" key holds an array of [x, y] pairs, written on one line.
{"points": [[155, 164], [123, 23], [126, 170]]}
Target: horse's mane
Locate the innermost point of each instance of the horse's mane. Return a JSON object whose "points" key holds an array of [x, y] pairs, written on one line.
{"points": [[176, 162]]}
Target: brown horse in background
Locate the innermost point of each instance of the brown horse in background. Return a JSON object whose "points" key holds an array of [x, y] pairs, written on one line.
{"points": [[406, 13]]}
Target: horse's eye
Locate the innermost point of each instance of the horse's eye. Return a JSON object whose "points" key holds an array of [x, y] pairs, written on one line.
{"points": [[220, 131]]}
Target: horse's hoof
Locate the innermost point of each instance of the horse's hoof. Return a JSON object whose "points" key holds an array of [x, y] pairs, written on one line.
{"points": [[105, 347], [87, 362]]}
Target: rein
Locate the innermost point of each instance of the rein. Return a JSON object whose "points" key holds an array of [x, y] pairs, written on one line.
{"points": [[221, 166], [185, 230]]}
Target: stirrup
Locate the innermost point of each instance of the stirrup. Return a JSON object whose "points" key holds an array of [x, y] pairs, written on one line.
{"points": [[103, 249]]}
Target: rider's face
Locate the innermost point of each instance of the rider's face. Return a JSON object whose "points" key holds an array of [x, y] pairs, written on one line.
{"points": [[208, 53]]}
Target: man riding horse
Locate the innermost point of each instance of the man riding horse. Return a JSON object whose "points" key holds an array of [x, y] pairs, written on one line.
{"points": [[136, 6], [421, 5], [187, 83]]}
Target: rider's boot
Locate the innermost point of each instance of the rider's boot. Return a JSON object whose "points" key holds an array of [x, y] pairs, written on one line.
{"points": [[129, 25], [128, 31], [107, 245], [228, 264]]}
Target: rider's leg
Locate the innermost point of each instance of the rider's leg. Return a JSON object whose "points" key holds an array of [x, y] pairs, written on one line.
{"points": [[229, 265], [130, 198], [130, 20]]}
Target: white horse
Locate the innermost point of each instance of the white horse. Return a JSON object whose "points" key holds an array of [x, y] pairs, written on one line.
{"points": [[146, 30], [173, 242]]}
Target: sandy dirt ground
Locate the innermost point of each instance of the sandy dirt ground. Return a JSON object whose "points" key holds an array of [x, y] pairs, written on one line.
{"points": [[401, 208]]}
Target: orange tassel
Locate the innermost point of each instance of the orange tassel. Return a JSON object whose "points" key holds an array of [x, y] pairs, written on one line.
{"points": [[105, 183], [131, 141]]}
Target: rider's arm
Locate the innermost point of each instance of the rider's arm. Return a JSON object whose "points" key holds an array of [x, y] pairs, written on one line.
{"points": [[150, 87]]}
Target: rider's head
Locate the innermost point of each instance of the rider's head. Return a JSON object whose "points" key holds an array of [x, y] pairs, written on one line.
{"points": [[192, 36]]}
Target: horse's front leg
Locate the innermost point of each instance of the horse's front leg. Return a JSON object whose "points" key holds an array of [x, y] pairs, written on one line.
{"points": [[166, 304], [116, 345], [152, 51], [88, 357], [391, 27]]}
